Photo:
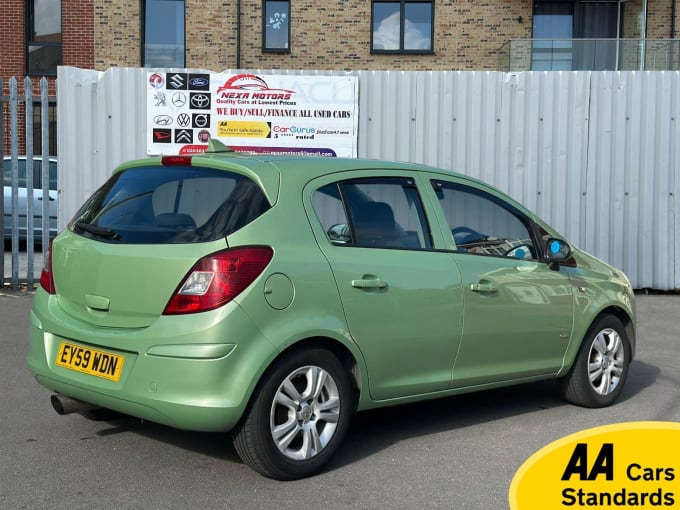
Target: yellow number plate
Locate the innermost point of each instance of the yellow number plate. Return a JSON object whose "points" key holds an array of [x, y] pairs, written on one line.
{"points": [[90, 361]]}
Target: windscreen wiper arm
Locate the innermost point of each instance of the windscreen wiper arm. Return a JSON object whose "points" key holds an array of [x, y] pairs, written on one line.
{"points": [[98, 231]]}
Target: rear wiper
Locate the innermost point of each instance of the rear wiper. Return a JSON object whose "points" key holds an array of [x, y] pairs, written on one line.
{"points": [[98, 231]]}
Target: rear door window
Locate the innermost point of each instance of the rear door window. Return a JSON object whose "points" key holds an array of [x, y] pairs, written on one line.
{"points": [[373, 212], [170, 205]]}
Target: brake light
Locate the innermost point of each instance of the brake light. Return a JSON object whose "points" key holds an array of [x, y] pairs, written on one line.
{"points": [[218, 278], [176, 160], [46, 277]]}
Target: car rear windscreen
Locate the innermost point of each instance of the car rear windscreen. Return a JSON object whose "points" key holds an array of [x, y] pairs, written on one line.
{"points": [[179, 204]]}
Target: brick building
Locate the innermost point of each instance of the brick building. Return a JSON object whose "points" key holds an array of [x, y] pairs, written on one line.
{"points": [[362, 34], [38, 35]]}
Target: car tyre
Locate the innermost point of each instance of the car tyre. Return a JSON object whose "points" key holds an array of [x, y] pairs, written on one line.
{"points": [[298, 416], [599, 372]]}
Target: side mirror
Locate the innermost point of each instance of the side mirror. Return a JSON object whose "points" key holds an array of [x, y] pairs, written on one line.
{"points": [[339, 233], [556, 251]]}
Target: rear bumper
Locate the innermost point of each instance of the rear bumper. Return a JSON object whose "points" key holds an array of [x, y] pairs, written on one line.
{"points": [[201, 385]]}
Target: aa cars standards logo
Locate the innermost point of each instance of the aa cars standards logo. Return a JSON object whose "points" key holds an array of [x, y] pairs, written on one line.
{"points": [[627, 465]]}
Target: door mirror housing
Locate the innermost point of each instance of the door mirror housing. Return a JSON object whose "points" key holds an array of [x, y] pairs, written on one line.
{"points": [[556, 251]]}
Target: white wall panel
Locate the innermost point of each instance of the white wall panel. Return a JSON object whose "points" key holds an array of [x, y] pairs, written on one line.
{"points": [[596, 154]]}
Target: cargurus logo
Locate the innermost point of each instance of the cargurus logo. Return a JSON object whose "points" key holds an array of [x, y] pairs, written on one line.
{"points": [[302, 130], [295, 130]]}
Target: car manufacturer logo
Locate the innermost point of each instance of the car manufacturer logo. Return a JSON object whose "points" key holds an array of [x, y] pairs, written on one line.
{"points": [[177, 81], [159, 98], [198, 82], [162, 120], [162, 135], [184, 135], [201, 120], [204, 136], [200, 101], [156, 80], [183, 120], [179, 99]]}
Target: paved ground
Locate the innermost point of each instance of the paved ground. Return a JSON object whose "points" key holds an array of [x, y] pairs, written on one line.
{"points": [[457, 453]]}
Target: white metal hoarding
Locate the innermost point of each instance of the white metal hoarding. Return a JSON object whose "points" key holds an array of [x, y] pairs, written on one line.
{"points": [[280, 114], [594, 153]]}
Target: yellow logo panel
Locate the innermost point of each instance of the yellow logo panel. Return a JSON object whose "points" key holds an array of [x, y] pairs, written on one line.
{"points": [[243, 129], [627, 465]]}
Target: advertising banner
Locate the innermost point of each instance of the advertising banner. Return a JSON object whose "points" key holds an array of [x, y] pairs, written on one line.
{"points": [[279, 114]]}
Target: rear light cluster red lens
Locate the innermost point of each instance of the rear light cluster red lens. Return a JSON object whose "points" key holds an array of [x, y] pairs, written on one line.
{"points": [[46, 277], [218, 278]]}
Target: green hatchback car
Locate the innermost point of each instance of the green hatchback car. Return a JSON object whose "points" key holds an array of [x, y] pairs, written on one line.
{"points": [[274, 296]]}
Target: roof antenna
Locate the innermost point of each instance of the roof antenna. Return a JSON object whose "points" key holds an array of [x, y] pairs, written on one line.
{"points": [[216, 147]]}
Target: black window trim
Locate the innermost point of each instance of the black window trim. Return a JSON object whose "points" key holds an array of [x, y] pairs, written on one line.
{"points": [[265, 48], [85, 222], [404, 182], [30, 20], [402, 20], [142, 35], [527, 221]]}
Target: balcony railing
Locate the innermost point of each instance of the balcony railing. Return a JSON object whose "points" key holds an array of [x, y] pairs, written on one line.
{"points": [[590, 55]]}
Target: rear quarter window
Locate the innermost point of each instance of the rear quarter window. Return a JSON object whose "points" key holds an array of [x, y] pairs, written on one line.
{"points": [[153, 205]]}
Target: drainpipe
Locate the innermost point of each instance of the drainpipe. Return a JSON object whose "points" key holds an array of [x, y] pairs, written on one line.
{"points": [[618, 35], [643, 46], [673, 46], [238, 34]]}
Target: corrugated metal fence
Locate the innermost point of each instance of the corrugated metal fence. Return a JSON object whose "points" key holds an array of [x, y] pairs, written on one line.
{"points": [[22, 215], [594, 153]]}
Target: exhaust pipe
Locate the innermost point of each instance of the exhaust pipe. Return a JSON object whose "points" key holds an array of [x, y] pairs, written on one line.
{"points": [[67, 405]]}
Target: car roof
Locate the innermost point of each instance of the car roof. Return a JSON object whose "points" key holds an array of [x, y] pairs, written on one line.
{"points": [[268, 169], [309, 167]]}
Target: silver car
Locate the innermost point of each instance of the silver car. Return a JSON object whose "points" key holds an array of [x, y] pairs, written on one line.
{"points": [[21, 214]]}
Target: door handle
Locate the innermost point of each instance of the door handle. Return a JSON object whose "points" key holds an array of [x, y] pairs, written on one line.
{"points": [[51, 199], [483, 287], [374, 283]]}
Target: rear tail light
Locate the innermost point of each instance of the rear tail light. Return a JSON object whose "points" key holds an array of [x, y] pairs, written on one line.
{"points": [[218, 278], [46, 277]]}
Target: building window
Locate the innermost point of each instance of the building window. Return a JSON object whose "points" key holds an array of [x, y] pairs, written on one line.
{"points": [[163, 33], [43, 40], [576, 35], [276, 26], [404, 26]]}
